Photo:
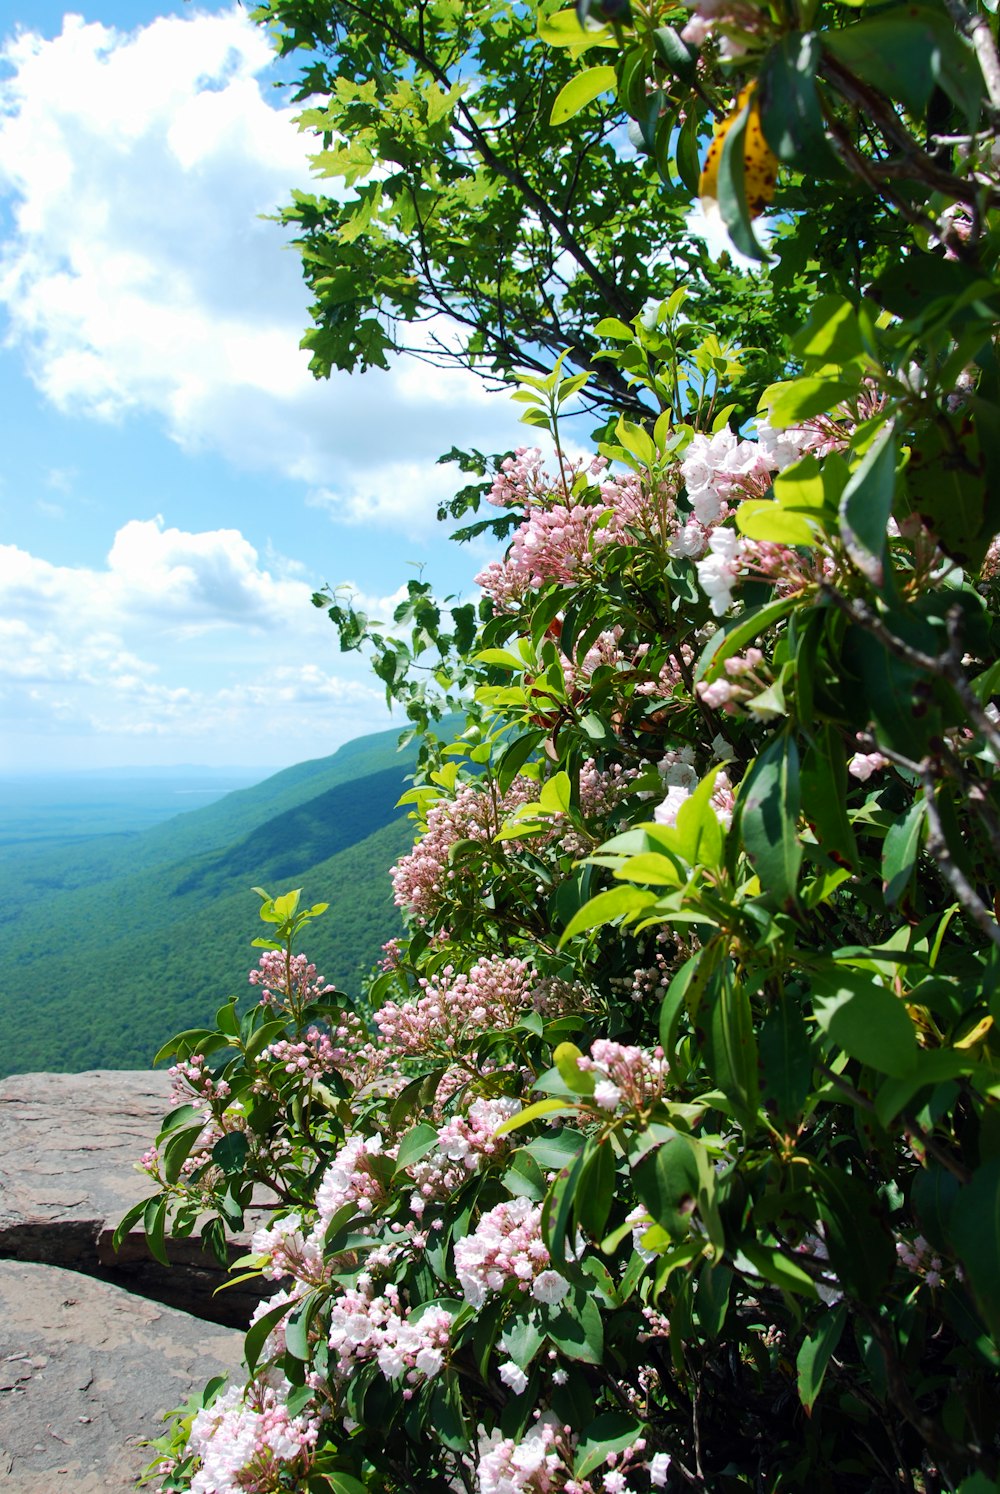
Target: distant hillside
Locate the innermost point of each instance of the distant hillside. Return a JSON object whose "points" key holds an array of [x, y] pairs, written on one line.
{"points": [[110, 945]]}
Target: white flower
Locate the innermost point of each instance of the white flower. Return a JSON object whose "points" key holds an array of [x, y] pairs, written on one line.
{"points": [[606, 1094], [658, 1469], [549, 1287], [429, 1361], [666, 813], [511, 1374]]}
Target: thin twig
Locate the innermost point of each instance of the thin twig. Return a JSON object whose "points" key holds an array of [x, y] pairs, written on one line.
{"points": [[977, 29]]}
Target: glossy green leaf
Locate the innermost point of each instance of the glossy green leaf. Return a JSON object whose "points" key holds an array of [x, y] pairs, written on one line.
{"points": [[667, 1182], [866, 507], [906, 53], [974, 1226], [580, 91], [230, 1152], [795, 400], [611, 1433], [617, 902], [786, 1061], [861, 1248], [816, 1352], [831, 334], [415, 1145], [773, 1266], [732, 1046], [734, 636], [900, 851], [790, 112], [866, 1020], [768, 809]]}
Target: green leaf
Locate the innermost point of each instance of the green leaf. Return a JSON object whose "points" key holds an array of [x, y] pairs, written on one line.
{"points": [[531, 1113], [610, 1433], [712, 1299], [805, 501], [154, 1218], [338, 1482], [862, 1250], [297, 1326], [974, 1226], [790, 113], [596, 1192], [908, 52], [617, 902], [564, 30], [679, 57], [667, 1182], [230, 1152], [795, 400], [823, 788], [176, 1150], [866, 1020], [731, 189], [582, 90], [732, 1047], [257, 1335], [900, 851], [657, 868], [555, 794], [124, 1225], [831, 334], [935, 1066], [415, 1145], [734, 636], [768, 1262], [523, 1338], [815, 1354], [698, 831], [786, 1060], [768, 810], [580, 1081], [866, 507], [576, 1327]]}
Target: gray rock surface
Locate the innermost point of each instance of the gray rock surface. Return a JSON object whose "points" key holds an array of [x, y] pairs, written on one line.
{"points": [[68, 1148], [86, 1371]]}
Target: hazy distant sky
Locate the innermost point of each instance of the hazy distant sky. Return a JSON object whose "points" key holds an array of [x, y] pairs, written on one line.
{"points": [[173, 482]]}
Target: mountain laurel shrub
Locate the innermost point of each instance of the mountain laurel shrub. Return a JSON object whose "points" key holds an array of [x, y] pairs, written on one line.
{"points": [[664, 1151]]}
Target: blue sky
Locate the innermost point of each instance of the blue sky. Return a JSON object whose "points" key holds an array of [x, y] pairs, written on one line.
{"points": [[173, 483]]}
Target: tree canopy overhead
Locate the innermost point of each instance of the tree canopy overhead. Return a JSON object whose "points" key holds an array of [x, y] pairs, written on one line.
{"points": [[463, 224]]}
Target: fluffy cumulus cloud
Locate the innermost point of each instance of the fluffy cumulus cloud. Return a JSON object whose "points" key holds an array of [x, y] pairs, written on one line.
{"points": [[139, 275], [107, 655]]}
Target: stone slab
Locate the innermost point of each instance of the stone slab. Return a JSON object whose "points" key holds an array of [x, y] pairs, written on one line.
{"points": [[86, 1371], [69, 1144]]}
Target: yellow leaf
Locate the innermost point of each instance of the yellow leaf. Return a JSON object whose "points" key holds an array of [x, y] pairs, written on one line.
{"points": [[976, 1035], [760, 164]]}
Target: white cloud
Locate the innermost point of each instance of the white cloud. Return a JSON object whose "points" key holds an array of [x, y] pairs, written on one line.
{"points": [[186, 637], [139, 276]]}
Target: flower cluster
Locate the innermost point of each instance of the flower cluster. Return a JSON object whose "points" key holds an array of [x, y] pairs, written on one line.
{"points": [[287, 979], [923, 1260], [464, 1144], [627, 1077], [721, 469], [455, 1008], [723, 801], [351, 1178], [365, 1326], [420, 880], [507, 1247], [247, 1442]]}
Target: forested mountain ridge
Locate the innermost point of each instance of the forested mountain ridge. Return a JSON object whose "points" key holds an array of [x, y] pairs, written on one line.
{"points": [[109, 945]]}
